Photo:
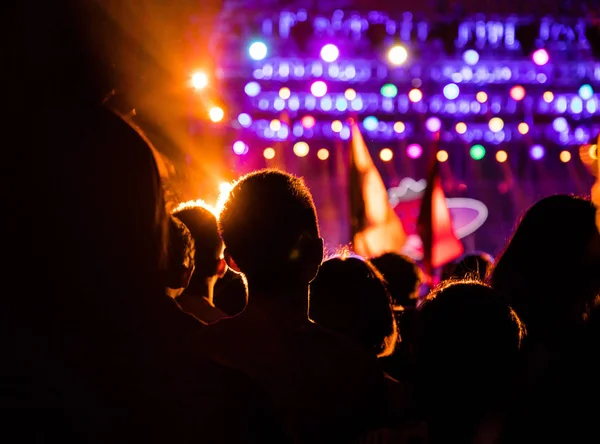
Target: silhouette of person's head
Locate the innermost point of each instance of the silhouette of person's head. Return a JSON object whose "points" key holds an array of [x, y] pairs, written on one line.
{"points": [[466, 350], [349, 296], [202, 223], [403, 277], [549, 268], [270, 229], [181, 257], [473, 265]]}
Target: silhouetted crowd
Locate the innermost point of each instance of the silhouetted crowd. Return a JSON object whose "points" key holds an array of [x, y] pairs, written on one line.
{"points": [[124, 322]]}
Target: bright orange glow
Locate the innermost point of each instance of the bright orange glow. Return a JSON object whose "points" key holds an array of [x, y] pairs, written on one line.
{"points": [[386, 154], [199, 80], [415, 95], [517, 93], [275, 125], [323, 154], [461, 127], [548, 96], [399, 127], [336, 126], [481, 97], [269, 153], [442, 156], [565, 156], [501, 156], [496, 124], [523, 128], [216, 114], [301, 149], [285, 93], [350, 94]]}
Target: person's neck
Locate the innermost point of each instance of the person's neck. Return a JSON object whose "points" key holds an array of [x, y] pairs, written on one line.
{"points": [[202, 288], [286, 306]]}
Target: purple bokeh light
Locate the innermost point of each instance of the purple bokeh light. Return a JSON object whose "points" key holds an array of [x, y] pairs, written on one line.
{"points": [[414, 150], [240, 148], [537, 152], [319, 88], [540, 57], [330, 53], [433, 124]]}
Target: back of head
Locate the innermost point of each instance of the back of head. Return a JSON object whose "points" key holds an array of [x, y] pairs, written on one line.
{"points": [[549, 268], [202, 224], [403, 277], [473, 265], [466, 347], [349, 296], [270, 229], [181, 256]]}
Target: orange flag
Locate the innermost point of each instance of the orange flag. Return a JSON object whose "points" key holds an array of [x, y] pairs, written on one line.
{"points": [[375, 226], [440, 244]]}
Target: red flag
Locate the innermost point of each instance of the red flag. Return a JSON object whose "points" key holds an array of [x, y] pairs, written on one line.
{"points": [[440, 244], [375, 226]]}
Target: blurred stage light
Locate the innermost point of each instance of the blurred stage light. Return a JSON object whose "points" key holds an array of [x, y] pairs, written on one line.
{"points": [[399, 127], [415, 95], [523, 128], [496, 124], [565, 156], [433, 124], [389, 90], [414, 150], [548, 96], [386, 154], [323, 154], [471, 57], [269, 153], [257, 51], [301, 149], [370, 123], [586, 91], [216, 114], [397, 55], [330, 53], [481, 97], [540, 57], [336, 126], [537, 152], [560, 124], [199, 80], [275, 125], [451, 91], [285, 93], [501, 156], [252, 89], [517, 93], [461, 127], [308, 122], [350, 94], [240, 148], [244, 120], [442, 156], [319, 88], [477, 152]]}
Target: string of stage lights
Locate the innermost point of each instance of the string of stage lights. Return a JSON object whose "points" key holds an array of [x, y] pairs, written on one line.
{"points": [[499, 86]]}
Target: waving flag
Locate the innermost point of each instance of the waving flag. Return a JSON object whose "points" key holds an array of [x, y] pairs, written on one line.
{"points": [[375, 226]]}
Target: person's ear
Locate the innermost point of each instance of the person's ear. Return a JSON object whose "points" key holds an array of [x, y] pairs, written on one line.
{"points": [[221, 267], [230, 262]]}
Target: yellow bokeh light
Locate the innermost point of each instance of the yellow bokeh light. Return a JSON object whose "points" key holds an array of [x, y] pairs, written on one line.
{"points": [[216, 114], [350, 94], [397, 55], [593, 152], [442, 156], [565, 156], [461, 128], [399, 127], [275, 125], [501, 156], [481, 97], [269, 153], [523, 128], [301, 149], [386, 154], [548, 96], [336, 126], [496, 124], [199, 80], [285, 93], [415, 95], [323, 154]]}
